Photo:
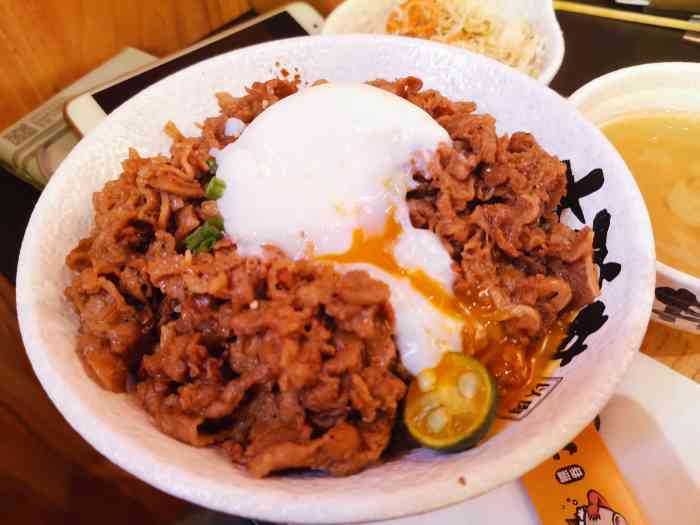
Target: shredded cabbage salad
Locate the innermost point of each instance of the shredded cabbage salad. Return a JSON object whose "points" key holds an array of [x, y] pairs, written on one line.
{"points": [[468, 24]]}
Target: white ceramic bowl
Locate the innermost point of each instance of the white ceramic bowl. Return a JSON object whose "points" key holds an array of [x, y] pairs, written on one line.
{"points": [[661, 86], [610, 331], [369, 16]]}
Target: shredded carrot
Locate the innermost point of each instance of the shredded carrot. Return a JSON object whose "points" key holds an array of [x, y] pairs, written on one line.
{"points": [[466, 23], [418, 18]]}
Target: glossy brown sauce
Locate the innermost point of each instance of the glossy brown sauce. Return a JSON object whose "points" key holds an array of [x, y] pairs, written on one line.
{"points": [[472, 310], [539, 359]]}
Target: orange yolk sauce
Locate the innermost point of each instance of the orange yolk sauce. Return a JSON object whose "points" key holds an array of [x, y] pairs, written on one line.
{"points": [[378, 250]]}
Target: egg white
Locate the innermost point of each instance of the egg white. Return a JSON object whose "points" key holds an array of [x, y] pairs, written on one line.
{"points": [[330, 159]]}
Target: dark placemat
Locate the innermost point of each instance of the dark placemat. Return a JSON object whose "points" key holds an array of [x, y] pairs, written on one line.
{"points": [[595, 46], [17, 200]]}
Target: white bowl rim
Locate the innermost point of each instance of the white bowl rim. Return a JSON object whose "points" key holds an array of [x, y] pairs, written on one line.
{"points": [[138, 461], [684, 279], [546, 75], [656, 67]]}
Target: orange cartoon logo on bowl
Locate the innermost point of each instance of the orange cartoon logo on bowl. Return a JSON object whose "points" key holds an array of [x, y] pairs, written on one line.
{"points": [[597, 511]]}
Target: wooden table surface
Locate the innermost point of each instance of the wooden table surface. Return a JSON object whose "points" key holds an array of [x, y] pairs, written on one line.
{"points": [[48, 473], [47, 44]]}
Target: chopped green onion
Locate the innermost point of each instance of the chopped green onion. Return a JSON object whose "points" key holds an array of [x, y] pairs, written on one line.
{"points": [[215, 188], [213, 166], [204, 237], [216, 222]]}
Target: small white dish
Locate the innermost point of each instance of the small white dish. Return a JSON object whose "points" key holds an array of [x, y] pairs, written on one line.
{"points": [[602, 343], [369, 16], [651, 87]]}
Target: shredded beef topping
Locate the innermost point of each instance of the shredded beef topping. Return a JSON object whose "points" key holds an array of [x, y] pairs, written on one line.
{"points": [[289, 364]]}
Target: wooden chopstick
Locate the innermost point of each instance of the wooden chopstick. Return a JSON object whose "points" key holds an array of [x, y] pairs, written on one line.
{"points": [[626, 16]]}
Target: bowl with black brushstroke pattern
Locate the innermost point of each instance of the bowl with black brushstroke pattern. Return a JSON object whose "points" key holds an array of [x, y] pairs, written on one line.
{"points": [[594, 356]]}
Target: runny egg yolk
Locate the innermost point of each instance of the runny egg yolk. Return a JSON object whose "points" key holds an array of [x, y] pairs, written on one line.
{"points": [[378, 250], [476, 321]]}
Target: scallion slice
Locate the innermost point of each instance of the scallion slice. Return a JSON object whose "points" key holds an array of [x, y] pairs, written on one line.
{"points": [[215, 188], [204, 237]]}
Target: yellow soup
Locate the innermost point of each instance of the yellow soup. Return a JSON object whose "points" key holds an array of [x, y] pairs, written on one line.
{"points": [[662, 150]]}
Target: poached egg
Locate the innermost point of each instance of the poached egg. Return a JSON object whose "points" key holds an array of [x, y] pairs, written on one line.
{"points": [[324, 173]]}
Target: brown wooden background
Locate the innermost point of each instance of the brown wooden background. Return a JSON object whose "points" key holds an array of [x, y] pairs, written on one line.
{"points": [[48, 474], [47, 44]]}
